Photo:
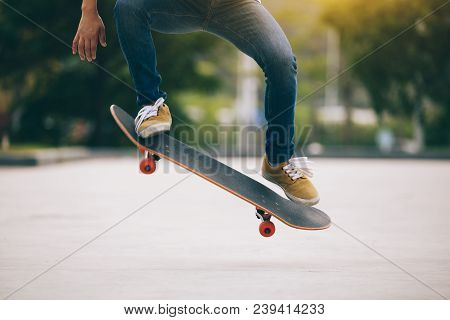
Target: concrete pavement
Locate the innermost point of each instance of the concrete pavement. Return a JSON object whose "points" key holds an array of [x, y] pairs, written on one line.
{"points": [[196, 241]]}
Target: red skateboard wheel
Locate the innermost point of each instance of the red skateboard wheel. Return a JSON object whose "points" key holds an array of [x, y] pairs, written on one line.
{"points": [[147, 165], [266, 228]]}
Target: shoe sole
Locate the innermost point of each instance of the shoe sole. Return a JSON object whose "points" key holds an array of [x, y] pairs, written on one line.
{"points": [[306, 202], [155, 129]]}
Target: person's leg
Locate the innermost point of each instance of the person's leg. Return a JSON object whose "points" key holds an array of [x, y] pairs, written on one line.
{"points": [[251, 28], [134, 21]]}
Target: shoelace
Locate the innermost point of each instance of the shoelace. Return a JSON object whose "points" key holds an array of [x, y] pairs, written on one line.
{"points": [[147, 112], [299, 167]]}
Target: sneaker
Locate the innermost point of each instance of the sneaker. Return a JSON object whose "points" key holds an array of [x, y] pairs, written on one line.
{"points": [[153, 119], [293, 177]]}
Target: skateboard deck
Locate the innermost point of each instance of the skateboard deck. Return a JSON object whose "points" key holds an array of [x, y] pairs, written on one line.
{"points": [[267, 202]]}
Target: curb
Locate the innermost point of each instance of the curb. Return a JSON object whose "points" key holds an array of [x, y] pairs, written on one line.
{"points": [[57, 155]]}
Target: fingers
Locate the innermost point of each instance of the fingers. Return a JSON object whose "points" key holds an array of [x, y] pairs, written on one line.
{"points": [[87, 49], [87, 46], [102, 37], [75, 43], [81, 49], [93, 49]]}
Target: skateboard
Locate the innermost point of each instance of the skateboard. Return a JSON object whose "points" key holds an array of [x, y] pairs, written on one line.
{"points": [[267, 202]]}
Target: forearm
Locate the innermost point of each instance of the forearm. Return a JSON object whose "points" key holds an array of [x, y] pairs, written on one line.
{"points": [[89, 6]]}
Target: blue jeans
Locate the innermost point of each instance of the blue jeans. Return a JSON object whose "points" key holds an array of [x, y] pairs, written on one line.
{"points": [[245, 23]]}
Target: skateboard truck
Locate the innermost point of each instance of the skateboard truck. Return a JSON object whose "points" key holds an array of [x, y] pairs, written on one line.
{"points": [[266, 227], [148, 164]]}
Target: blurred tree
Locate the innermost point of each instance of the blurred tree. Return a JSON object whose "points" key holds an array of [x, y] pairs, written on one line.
{"points": [[409, 70], [51, 90]]}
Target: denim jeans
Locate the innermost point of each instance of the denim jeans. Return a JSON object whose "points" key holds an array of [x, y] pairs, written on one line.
{"points": [[245, 23]]}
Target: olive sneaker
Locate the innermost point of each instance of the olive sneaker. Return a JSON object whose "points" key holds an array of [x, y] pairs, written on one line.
{"points": [[293, 176], [153, 119]]}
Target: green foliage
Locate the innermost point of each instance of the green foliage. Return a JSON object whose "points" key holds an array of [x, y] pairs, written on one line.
{"points": [[406, 71], [53, 91], [333, 134], [48, 94]]}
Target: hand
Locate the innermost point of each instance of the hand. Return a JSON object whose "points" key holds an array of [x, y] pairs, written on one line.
{"points": [[91, 31]]}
